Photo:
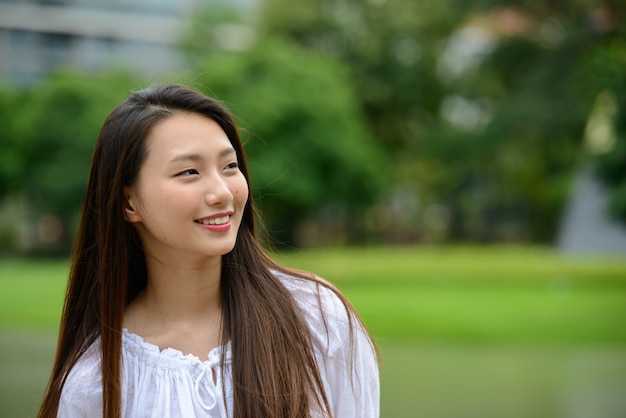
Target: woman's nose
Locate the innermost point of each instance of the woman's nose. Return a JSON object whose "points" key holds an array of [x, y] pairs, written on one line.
{"points": [[217, 192]]}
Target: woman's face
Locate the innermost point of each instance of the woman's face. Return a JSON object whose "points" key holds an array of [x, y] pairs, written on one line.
{"points": [[190, 195]]}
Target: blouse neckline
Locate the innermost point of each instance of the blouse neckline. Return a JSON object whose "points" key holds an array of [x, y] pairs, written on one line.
{"points": [[135, 344]]}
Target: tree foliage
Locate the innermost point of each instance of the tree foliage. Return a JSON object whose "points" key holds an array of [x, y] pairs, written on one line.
{"points": [[482, 104], [53, 129], [10, 155], [388, 119], [312, 160], [311, 157]]}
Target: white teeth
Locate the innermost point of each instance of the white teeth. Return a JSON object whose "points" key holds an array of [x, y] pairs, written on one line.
{"points": [[214, 221]]}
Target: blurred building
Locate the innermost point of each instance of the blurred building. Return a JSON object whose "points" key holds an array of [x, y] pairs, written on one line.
{"points": [[140, 35], [586, 227]]}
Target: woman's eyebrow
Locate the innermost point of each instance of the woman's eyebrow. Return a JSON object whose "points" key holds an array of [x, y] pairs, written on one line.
{"points": [[195, 157], [227, 151], [186, 157]]}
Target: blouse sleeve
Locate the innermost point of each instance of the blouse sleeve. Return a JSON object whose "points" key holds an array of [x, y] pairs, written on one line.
{"points": [[352, 380], [349, 365], [69, 408], [82, 393]]}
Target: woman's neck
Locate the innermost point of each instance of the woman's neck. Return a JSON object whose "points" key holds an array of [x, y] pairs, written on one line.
{"points": [[180, 308], [184, 290]]}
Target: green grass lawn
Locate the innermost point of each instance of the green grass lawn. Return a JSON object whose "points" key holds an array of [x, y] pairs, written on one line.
{"points": [[31, 292], [501, 332], [501, 294]]}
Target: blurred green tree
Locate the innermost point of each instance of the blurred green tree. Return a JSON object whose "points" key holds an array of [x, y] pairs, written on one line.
{"points": [[54, 126], [313, 162], [10, 156], [481, 105], [447, 119], [541, 78], [606, 127]]}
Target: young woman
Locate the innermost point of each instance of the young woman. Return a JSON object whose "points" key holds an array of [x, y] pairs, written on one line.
{"points": [[172, 307]]}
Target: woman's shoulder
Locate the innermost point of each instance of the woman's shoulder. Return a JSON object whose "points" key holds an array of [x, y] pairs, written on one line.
{"points": [[331, 321], [88, 367], [315, 295], [345, 354], [83, 387]]}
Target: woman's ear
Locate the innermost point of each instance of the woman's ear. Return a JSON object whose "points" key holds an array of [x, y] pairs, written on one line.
{"points": [[130, 212]]}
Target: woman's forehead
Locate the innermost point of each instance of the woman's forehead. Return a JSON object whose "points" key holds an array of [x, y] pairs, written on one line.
{"points": [[187, 136]]}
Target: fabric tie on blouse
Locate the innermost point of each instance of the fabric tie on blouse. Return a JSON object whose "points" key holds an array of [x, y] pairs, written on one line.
{"points": [[208, 387], [169, 383]]}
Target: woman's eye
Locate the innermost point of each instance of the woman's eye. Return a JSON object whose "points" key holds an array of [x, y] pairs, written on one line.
{"points": [[188, 172], [232, 166]]}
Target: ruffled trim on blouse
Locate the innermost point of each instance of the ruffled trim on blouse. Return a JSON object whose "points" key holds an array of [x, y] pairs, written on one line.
{"points": [[172, 382], [152, 354]]}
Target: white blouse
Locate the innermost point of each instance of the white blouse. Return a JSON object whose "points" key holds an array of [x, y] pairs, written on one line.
{"points": [[169, 384]]}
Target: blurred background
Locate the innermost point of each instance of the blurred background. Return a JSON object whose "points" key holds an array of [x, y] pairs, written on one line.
{"points": [[457, 168]]}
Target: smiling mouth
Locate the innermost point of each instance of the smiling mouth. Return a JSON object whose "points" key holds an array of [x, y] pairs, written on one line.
{"points": [[214, 221]]}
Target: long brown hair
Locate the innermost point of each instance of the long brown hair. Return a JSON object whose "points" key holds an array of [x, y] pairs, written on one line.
{"points": [[274, 370]]}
